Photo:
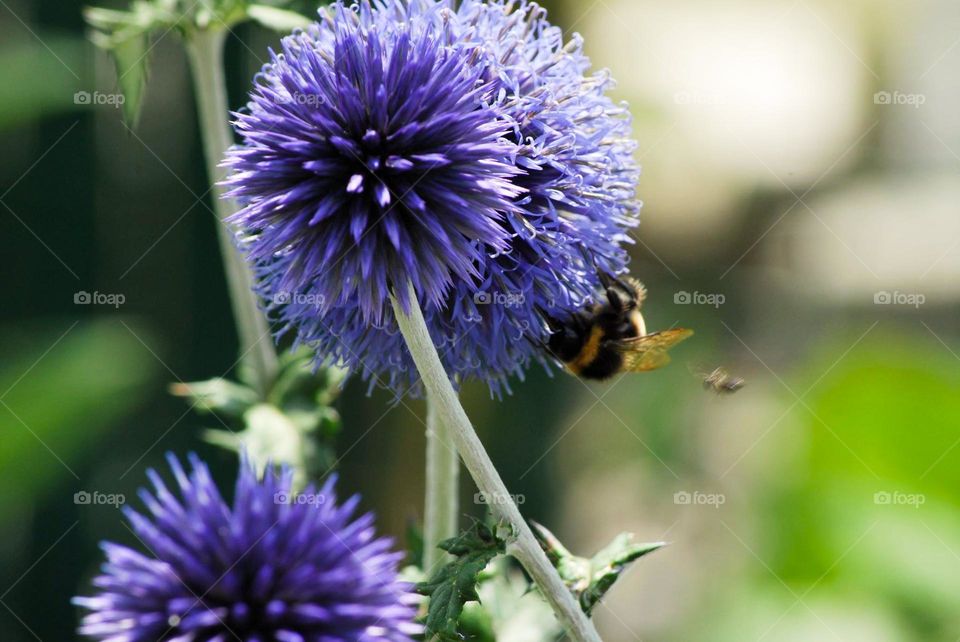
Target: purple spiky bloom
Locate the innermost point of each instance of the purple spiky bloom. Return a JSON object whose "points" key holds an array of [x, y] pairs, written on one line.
{"points": [[267, 568], [456, 145]]}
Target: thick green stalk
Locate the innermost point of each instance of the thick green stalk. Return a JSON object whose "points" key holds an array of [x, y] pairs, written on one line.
{"points": [[205, 51], [449, 412], [441, 499]]}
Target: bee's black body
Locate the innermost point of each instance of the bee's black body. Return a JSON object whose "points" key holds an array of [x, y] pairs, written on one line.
{"points": [[587, 342]]}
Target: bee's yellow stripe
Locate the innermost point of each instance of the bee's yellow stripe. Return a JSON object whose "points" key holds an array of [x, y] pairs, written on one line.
{"points": [[588, 352]]}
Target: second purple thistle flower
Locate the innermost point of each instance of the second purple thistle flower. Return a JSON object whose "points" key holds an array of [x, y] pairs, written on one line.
{"points": [[457, 146]]}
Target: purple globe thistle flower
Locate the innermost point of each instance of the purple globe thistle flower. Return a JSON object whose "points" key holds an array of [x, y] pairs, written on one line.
{"points": [[267, 568], [458, 146]]}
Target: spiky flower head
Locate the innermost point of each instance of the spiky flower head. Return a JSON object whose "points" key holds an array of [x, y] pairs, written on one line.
{"points": [[273, 566], [460, 147]]}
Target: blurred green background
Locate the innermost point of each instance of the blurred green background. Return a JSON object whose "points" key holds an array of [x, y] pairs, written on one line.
{"points": [[801, 213]]}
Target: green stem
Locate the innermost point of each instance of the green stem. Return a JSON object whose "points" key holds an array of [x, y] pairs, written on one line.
{"points": [[205, 52], [441, 497], [449, 411]]}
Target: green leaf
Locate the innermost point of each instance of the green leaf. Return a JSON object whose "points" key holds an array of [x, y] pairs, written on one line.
{"points": [[590, 579], [280, 20], [455, 583], [126, 36]]}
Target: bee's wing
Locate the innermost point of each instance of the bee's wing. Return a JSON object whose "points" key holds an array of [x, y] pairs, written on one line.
{"points": [[649, 352], [699, 370]]}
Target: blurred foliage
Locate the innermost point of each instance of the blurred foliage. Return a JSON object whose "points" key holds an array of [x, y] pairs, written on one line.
{"points": [[875, 512], [508, 610], [859, 539], [40, 78], [59, 398], [295, 425]]}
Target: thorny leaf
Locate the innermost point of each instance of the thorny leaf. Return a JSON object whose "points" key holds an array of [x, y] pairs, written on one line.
{"points": [[590, 579], [455, 583]]}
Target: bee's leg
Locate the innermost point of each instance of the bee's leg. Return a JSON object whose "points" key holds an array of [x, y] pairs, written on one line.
{"points": [[607, 280], [617, 300], [621, 295], [556, 328], [554, 325]]}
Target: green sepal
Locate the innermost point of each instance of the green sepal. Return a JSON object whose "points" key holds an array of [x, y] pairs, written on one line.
{"points": [[590, 579]]}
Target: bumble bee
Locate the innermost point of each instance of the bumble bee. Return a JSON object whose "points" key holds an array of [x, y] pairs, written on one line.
{"points": [[721, 382], [610, 336]]}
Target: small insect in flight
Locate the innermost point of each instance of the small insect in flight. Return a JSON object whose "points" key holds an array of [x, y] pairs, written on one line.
{"points": [[721, 382], [610, 336]]}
